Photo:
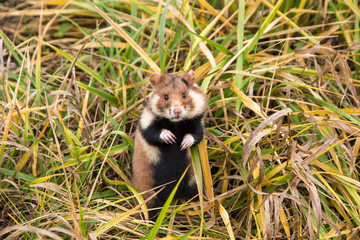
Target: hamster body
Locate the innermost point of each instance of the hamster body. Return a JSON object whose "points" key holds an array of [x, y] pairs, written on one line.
{"points": [[171, 122]]}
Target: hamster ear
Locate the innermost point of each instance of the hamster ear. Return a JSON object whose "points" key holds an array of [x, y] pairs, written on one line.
{"points": [[190, 78], [157, 80]]}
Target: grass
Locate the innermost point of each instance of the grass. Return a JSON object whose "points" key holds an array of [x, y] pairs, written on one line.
{"points": [[280, 159]]}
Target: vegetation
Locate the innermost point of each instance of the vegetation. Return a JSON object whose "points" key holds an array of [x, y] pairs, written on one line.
{"points": [[280, 159]]}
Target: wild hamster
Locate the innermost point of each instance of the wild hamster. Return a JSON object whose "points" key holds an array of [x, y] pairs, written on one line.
{"points": [[171, 122]]}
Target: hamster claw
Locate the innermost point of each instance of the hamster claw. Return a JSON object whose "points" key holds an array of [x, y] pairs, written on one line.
{"points": [[187, 142], [167, 136]]}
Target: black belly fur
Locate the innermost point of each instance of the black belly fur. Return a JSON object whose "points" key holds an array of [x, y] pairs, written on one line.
{"points": [[173, 162]]}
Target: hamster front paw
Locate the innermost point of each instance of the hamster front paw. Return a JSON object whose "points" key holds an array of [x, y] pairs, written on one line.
{"points": [[167, 136], [187, 142]]}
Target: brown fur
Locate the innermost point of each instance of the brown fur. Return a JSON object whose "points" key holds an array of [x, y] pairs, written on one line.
{"points": [[143, 168], [190, 77], [175, 96]]}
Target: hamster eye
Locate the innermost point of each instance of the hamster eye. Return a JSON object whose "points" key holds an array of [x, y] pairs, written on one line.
{"points": [[166, 97], [184, 96]]}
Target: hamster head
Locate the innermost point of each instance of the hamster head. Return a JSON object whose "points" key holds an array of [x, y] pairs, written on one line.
{"points": [[176, 97]]}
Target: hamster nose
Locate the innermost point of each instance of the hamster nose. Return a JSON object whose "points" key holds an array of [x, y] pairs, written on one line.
{"points": [[177, 111]]}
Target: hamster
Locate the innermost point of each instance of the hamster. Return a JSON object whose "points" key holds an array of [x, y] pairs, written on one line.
{"points": [[171, 122]]}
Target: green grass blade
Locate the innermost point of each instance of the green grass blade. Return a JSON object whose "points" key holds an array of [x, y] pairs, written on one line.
{"points": [[219, 47], [9, 46], [240, 60], [262, 28], [162, 26], [335, 109], [81, 65], [99, 93], [18, 175]]}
